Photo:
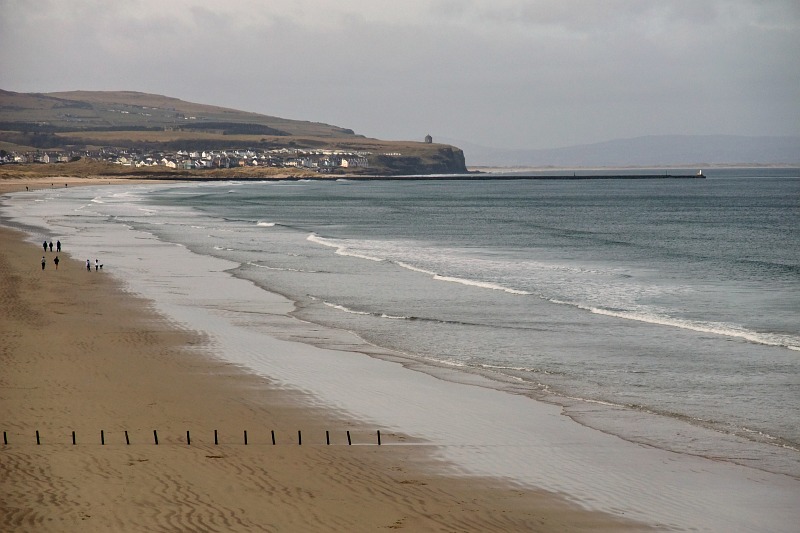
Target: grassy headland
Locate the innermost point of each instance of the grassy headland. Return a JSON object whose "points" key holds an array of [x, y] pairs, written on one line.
{"points": [[94, 124]]}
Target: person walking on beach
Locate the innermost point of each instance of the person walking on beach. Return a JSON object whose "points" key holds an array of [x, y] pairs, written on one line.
{"points": [[58, 246], [43, 262], [44, 246], [88, 266], [96, 265], [51, 246], [56, 262]]}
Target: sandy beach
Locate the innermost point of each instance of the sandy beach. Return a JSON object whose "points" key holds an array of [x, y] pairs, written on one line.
{"points": [[80, 354]]}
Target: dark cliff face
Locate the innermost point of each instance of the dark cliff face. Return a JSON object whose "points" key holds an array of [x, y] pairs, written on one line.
{"points": [[452, 160]]}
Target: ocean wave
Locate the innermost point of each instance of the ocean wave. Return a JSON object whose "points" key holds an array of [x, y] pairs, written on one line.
{"points": [[346, 309], [715, 328], [463, 281], [389, 253], [265, 224], [389, 316], [481, 284], [341, 249], [282, 269], [364, 313], [414, 268], [515, 369]]}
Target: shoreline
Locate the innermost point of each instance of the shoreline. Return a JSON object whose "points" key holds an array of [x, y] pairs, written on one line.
{"points": [[547, 450], [507, 175], [81, 354]]}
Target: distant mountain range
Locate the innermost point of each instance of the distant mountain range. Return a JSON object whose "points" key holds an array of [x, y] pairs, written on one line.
{"points": [[655, 150]]}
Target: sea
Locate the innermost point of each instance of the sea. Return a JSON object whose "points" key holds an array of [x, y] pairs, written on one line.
{"points": [[662, 311]]}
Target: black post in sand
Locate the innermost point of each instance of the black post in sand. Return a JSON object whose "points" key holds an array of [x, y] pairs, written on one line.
{"points": [[73, 438], [245, 437], [299, 438], [327, 437], [37, 437], [102, 438], [155, 436], [5, 438], [349, 442], [127, 440], [379, 437], [216, 438], [273, 437], [188, 438]]}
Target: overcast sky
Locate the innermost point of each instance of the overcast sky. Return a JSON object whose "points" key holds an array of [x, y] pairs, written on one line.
{"points": [[500, 73]]}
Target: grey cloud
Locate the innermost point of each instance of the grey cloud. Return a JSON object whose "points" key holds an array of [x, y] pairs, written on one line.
{"points": [[502, 72]]}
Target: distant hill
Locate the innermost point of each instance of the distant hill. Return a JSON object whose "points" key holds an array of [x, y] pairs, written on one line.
{"points": [[655, 150], [131, 111], [92, 120]]}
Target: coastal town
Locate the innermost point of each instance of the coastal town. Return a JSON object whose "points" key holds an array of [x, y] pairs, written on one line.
{"points": [[152, 134], [323, 160]]}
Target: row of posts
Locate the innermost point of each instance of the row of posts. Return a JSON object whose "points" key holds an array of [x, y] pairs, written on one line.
{"points": [[189, 438]]}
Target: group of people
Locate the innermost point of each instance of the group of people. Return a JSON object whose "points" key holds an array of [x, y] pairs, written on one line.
{"points": [[44, 262], [97, 265], [49, 245], [45, 246]]}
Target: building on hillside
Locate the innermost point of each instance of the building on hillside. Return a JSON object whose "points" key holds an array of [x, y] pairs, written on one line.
{"points": [[348, 162]]}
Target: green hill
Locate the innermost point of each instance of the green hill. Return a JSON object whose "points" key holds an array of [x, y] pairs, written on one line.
{"points": [[127, 110]]}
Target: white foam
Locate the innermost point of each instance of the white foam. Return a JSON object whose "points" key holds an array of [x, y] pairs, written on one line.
{"points": [[364, 313], [481, 284], [345, 309], [715, 328], [279, 269], [340, 248], [413, 268], [463, 281]]}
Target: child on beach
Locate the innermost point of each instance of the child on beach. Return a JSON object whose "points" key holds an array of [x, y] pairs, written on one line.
{"points": [[43, 262], [56, 262]]}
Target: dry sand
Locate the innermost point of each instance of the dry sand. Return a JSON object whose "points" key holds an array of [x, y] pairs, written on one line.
{"points": [[79, 354]]}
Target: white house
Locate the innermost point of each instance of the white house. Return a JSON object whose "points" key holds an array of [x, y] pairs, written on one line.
{"points": [[355, 162]]}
